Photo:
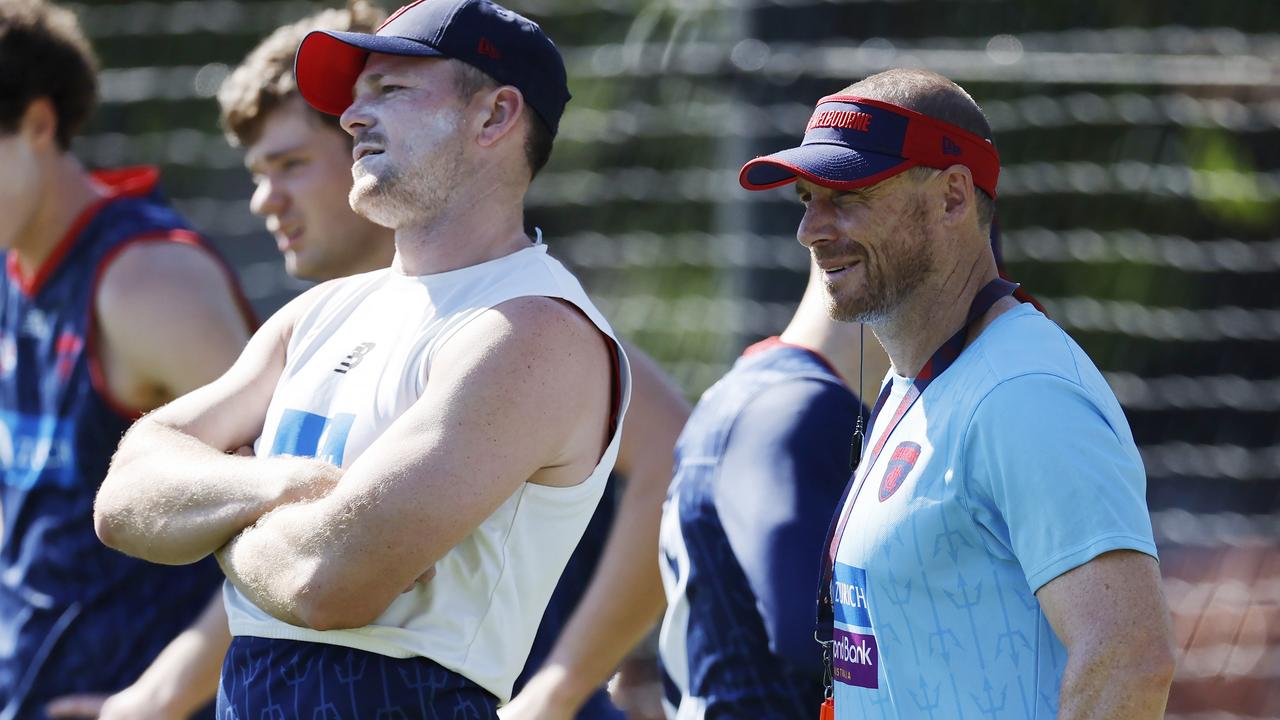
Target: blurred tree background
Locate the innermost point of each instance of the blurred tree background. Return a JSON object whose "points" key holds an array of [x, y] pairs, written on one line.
{"points": [[1140, 201]]}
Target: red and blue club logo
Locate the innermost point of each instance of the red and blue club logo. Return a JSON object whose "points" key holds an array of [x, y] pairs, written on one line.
{"points": [[904, 458]]}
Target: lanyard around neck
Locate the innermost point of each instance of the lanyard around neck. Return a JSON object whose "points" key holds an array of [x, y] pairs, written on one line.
{"points": [[938, 363]]}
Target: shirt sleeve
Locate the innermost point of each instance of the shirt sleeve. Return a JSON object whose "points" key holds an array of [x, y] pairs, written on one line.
{"points": [[781, 477], [1054, 479]]}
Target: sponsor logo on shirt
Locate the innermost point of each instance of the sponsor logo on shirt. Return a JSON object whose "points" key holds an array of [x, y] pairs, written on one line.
{"points": [[855, 657], [850, 595], [353, 358], [306, 434], [37, 451]]}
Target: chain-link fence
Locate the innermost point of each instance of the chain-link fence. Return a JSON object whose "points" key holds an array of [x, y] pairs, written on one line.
{"points": [[1140, 200]]}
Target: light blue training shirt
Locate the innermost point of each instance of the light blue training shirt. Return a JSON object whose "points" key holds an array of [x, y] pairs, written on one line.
{"points": [[1015, 466]]}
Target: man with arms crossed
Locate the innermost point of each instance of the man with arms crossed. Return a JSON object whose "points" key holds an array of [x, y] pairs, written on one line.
{"points": [[993, 556], [471, 396], [110, 306], [300, 159]]}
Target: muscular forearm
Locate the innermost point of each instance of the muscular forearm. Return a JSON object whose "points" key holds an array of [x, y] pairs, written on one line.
{"points": [[294, 564], [286, 565], [1112, 684], [172, 499], [263, 563]]}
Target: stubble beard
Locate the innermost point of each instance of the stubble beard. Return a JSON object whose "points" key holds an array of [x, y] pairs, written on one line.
{"points": [[902, 272], [416, 190]]}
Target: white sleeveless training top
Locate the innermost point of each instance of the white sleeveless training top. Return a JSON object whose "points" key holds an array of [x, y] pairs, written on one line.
{"points": [[358, 359]]}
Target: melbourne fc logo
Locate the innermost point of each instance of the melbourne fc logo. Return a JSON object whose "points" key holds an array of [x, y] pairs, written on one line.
{"points": [[904, 458]]}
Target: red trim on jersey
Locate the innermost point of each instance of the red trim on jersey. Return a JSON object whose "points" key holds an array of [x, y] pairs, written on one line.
{"points": [[97, 375], [1025, 297], [615, 377], [137, 181], [774, 341], [123, 182], [615, 366]]}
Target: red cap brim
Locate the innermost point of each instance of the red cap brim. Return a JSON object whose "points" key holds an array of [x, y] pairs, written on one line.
{"points": [[328, 63]]}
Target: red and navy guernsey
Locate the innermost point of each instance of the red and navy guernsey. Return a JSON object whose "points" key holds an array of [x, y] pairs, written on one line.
{"points": [[76, 616]]}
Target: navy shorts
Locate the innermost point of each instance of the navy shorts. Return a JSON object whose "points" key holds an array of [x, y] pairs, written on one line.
{"points": [[266, 679]]}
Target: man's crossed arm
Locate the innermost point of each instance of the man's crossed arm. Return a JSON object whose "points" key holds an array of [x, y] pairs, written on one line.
{"points": [[521, 394]]}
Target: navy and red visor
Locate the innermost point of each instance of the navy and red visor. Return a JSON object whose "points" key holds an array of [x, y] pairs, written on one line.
{"points": [[853, 142]]}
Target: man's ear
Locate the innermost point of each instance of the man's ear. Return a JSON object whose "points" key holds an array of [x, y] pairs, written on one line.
{"points": [[39, 124], [502, 108], [957, 194]]}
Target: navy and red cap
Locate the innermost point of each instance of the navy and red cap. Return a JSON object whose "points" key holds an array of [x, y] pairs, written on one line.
{"points": [[504, 45], [852, 142]]}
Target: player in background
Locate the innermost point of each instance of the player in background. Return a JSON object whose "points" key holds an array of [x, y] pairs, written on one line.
{"points": [[110, 305], [300, 160], [376, 113], [993, 556], [759, 468]]}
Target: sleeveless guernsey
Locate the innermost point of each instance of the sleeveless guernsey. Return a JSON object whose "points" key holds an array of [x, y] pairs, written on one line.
{"points": [[357, 359]]}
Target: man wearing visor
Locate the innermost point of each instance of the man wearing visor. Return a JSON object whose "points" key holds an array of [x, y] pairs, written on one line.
{"points": [[993, 554]]}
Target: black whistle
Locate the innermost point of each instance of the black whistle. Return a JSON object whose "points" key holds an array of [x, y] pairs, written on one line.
{"points": [[855, 451]]}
